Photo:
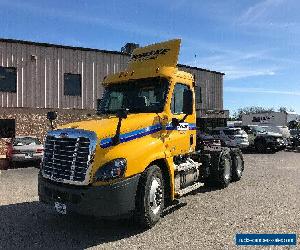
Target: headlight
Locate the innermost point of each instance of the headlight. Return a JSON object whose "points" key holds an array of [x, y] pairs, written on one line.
{"points": [[111, 170]]}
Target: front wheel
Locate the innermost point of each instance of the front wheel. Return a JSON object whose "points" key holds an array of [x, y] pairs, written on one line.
{"points": [[150, 197]]}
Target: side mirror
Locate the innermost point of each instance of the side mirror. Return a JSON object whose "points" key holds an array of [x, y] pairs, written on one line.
{"points": [[188, 102], [51, 115], [122, 113], [175, 122]]}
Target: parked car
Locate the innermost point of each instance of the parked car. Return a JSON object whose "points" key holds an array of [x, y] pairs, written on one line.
{"points": [[24, 149], [295, 138], [283, 130], [261, 140], [232, 137]]}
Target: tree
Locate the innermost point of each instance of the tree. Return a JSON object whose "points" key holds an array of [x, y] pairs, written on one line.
{"points": [[282, 109]]}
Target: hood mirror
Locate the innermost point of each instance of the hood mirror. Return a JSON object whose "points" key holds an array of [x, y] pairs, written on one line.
{"points": [[121, 114], [51, 116]]}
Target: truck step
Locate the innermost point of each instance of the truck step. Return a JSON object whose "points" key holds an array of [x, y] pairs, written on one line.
{"points": [[188, 189]]}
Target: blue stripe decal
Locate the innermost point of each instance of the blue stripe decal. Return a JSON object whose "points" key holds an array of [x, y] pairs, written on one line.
{"points": [[107, 142], [192, 126]]}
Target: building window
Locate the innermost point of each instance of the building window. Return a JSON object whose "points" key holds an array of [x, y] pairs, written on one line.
{"points": [[177, 98], [72, 84], [8, 79]]}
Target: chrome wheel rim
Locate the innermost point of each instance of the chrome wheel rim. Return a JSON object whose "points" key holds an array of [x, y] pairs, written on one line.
{"points": [[227, 169], [239, 165], [155, 195]]}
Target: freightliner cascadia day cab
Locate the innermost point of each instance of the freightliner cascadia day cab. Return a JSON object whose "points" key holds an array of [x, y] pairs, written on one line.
{"points": [[141, 153]]}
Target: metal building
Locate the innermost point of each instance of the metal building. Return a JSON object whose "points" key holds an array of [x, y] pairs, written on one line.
{"points": [[42, 75], [39, 75]]}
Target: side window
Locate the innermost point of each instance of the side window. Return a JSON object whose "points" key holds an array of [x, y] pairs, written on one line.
{"points": [[8, 79], [115, 101], [177, 98], [72, 84]]}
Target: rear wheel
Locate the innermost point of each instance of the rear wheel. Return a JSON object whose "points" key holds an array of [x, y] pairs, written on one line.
{"points": [[150, 197], [260, 146], [237, 164], [224, 170], [220, 174]]}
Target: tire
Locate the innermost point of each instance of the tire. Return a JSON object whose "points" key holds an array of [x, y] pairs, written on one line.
{"points": [[237, 164], [38, 164], [11, 164], [220, 174], [260, 146], [150, 198], [224, 175]]}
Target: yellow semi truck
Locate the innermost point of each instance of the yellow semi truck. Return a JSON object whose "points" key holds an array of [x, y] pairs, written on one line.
{"points": [[142, 152]]}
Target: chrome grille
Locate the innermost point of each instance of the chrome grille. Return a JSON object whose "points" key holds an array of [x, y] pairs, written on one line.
{"points": [[67, 156]]}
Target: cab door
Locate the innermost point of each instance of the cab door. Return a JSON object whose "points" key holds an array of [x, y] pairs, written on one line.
{"points": [[181, 128]]}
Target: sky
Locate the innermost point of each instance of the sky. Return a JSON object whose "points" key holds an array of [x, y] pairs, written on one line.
{"points": [[254, 42]]}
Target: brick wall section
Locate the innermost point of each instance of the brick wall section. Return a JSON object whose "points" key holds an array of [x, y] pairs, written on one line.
{"points": [[30, 121]]}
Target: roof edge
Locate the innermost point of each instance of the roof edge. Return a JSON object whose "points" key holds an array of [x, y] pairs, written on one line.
{"points": [[193, 67], [7, 40]]}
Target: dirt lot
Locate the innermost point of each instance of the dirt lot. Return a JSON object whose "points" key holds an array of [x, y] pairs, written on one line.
{"points": [[266, 200]]}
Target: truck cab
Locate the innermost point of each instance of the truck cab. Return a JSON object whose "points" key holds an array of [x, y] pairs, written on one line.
{"points": [[141, 153]]}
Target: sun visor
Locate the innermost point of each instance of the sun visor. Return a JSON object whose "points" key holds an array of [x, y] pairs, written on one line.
{"points": [[157, 55]]}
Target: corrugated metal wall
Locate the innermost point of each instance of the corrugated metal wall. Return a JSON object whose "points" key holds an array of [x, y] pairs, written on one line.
{"points": [[211, 88], [40, 80]]}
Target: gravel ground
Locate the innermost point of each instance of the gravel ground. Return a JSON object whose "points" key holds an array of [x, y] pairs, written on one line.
{"points": [[266, 200]]}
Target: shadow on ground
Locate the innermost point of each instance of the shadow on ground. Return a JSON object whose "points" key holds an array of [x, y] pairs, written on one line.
{"points": [[295, 150], [253, 151], [33, 225], [24, 164]]}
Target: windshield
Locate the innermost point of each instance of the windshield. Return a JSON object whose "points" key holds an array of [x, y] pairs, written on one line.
{"points": [[138, 96], [26, 141], [233, 132], [259, 129]]}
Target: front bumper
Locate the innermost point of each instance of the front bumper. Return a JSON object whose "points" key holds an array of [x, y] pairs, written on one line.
{"points": [[276, 144], [24, 157], [104, 201]]}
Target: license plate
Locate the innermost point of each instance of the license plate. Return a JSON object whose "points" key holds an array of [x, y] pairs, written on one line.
{"points": [[28, 155], [60, 208]]}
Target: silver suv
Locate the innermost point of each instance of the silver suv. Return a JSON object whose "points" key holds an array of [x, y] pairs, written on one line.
{"points": [[232, 137]]}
